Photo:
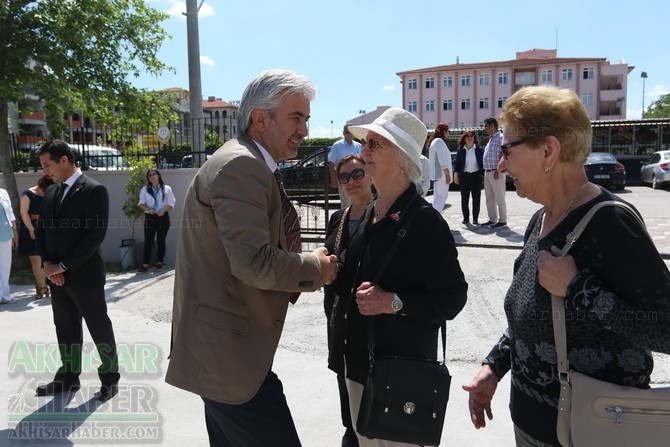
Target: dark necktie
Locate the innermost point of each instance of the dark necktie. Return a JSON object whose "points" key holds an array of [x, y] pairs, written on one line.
{"points": [[60, 193], [291, 221]]}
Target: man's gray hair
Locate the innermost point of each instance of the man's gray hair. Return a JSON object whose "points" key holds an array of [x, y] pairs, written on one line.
{"points": [[267, 90]]}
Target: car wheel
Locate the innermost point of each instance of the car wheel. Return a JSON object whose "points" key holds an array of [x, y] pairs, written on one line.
{"points": [[654, 183]]}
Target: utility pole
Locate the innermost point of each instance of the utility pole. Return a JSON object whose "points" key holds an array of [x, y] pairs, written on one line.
{"points": [[194, 83], [643, 75]]}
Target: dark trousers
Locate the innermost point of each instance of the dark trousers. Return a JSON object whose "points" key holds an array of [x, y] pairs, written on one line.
{"points": [[70, 305], [155, 227], [471, 184], [263, 421]]}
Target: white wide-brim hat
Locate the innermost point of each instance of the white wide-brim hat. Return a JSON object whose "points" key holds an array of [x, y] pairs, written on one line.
{"points": [[401, 128]]}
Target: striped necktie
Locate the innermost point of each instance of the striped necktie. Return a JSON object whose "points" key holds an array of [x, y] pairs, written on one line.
{"points": [[291, 222]]}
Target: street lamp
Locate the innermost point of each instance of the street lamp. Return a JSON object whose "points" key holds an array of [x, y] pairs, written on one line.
{"points": [[643, 75], [331, 129]]}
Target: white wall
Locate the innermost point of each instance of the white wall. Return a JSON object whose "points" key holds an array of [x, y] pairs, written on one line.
{"points": [[119, 226]]}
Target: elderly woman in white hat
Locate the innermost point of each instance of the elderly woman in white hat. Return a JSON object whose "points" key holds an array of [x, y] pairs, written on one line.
{"points": [[421, 286]]}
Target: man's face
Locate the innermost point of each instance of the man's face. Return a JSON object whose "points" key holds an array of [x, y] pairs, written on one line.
{"points": [[489, 129], [55, 170], [348, 136], [286, 130]]}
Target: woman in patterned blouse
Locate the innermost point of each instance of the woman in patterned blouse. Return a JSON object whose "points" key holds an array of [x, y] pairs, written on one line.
{"points": [[616, 312]]}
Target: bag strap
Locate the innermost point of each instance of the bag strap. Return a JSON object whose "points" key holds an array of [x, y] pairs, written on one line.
{"points": [[338, 238], [558, 303]]}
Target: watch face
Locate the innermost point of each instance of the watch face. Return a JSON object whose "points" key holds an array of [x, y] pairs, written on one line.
{"points": [[396, 304]]}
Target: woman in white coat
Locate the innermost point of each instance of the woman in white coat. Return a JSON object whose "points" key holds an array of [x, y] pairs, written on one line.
{"points": [[9, 240], [439, 158]]}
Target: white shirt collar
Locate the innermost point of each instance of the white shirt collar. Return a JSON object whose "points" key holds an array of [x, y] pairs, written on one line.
{"points": [[73, 178], [272, 164]]}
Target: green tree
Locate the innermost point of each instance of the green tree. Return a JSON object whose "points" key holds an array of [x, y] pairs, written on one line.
{"points": [[659, 108], [77, 56]]}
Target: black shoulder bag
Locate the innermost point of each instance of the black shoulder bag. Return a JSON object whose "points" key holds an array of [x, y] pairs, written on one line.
{"points": [[404, 399]]}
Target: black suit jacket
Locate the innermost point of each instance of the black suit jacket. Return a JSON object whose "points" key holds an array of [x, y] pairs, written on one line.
{"points": [[73, 231], [460, 158]]}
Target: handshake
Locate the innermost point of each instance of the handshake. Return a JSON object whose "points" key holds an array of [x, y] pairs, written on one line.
{"points": [[329, 267]]}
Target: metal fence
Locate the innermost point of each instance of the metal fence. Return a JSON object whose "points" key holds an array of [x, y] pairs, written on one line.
{"points": [[115, 148]]}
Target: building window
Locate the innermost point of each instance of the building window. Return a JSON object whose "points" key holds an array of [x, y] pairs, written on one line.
{"points": [[524, 78], [465, 81], [566, 74], [483, 103], [587, 98], [411, 106], [412, 84], [547, 76], [447, 81], [501, 101], [503, 78], [465, 104], [430, 82], [484, 79], [430, 105], [588, 73], [448, 104]]}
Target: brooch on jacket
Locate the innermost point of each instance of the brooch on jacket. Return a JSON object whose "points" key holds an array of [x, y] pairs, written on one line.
{"points": [[396, 216]]}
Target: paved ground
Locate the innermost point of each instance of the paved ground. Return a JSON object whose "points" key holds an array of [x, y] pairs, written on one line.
{"points": [[147, 410]]}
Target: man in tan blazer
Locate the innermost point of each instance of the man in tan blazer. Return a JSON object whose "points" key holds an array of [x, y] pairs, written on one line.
{"points": [[235, 275]]}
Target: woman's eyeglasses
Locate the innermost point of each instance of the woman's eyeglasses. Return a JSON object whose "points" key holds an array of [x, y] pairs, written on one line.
{"points": [[372, 143], [356, 174], [506, 148]]}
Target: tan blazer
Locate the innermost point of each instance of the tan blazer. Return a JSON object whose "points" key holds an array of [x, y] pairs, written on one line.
{"points": [[233, 277]]}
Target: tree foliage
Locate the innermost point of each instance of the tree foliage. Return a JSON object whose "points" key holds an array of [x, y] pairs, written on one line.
{"points": [[77, 56], [659, 108]]}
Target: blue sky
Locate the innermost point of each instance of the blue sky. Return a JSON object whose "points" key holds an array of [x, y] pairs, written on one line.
{"points": [[352, 49]]}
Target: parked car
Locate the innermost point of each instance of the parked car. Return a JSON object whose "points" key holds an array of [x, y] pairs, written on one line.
{"points": [[187, 160], [288, 163], [603, 169], [309, 178], [656, 169], [98, 158]]}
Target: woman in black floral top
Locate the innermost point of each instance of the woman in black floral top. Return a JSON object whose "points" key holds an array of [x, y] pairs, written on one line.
{"points": [[615, 284]]}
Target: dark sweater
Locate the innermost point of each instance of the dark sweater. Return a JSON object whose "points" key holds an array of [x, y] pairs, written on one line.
{"points": [[424, 272], [617, 311]]}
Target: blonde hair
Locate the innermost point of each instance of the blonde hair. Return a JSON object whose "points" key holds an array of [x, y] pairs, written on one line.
{"points": [[538, 112]]}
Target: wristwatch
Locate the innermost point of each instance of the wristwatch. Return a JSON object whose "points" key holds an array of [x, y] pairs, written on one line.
{"points": [[62, 266], [396, 304]]}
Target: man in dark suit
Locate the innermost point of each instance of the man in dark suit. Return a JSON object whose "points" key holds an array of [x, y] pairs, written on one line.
{"points": [[74, 222], [236, 270]]}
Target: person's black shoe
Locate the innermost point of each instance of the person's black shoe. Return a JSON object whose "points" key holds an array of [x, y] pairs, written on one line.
{"points": [[349, 439], [499, 225], [465, 221], [107, 392], [474, 222], [490, 222], [53, 388]]}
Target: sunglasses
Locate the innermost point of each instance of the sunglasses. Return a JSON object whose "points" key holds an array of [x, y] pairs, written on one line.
{"points": [[506, 148], [356, 174], [372, 144]]}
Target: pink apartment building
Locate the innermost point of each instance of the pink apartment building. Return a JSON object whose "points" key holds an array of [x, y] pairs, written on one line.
{"points": [[464, 95]]}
